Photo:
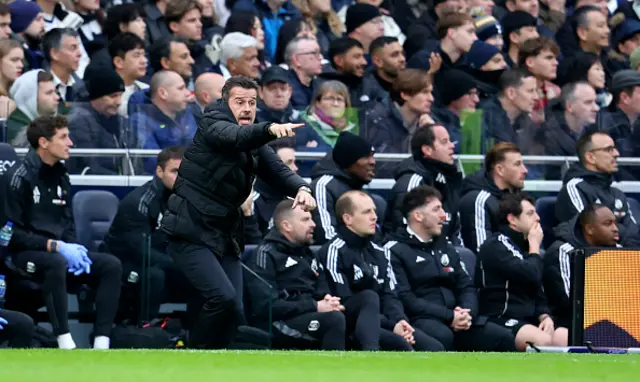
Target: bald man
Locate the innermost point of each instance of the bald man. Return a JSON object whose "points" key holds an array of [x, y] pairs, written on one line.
{"points": [[208, 88], [164, 123]]}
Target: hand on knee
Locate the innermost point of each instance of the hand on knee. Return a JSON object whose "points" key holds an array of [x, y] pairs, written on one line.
{"points": [[560, 337]]}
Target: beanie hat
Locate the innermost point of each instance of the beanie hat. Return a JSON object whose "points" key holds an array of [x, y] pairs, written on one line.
{"points": [[103, 82], [22, 14], [349, 148], [634, 59], [623, 79], [480, 53], [452, 84], [487, 27], [360, 13], [624, 31], [514, 21]]}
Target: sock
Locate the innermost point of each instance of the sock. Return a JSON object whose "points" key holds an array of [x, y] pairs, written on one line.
{"points": [[101, 342], [65, 341]]}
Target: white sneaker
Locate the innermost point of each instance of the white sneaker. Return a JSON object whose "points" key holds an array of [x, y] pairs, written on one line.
{"points": [[65, 341], [101, 343]]}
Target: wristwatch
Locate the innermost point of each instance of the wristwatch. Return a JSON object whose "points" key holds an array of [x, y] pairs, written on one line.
{"points": [[54, 246], [305, 189]]}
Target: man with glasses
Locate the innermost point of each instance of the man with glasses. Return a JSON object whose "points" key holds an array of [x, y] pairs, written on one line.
{"points": [[305, 62], [589, 181]]}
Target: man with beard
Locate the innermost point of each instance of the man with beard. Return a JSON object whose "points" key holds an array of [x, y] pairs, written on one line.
{"points": [[504, 172], [432, 164], [595, 226], [302, 308], [27, 24], [388, 60], [348, 167], [204, 219]]}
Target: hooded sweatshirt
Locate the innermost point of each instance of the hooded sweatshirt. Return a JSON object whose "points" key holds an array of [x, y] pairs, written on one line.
{"points": [[22, 92]]}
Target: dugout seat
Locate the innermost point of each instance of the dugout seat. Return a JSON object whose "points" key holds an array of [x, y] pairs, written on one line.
{"points": [[8, 157], [546, 208], [634, 207], [93, 213], [469, 260]]}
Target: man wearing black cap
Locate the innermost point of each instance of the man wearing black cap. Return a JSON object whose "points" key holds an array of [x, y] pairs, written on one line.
{"points": [[364, 24], [348, 167], [96, 125], [519, 26], [275, 94]]}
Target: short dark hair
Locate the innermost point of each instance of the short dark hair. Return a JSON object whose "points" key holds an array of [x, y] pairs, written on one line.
{"points": [[588, 215], [44, 76], [424, 135], [168, 153], [585, 144], [121, 14], [512, 79], [511, 204], [341, 46], [44, 127], [238, 82], [380, 43], [411, 82], [4, 9], [282, 211], [534, 47], [53, 40], [618, 92], [580, 18], [241, 21], [123, 43], [451, 20], [498, 153], [162, 49], [417, 198], [176, 9], [345, 204]]}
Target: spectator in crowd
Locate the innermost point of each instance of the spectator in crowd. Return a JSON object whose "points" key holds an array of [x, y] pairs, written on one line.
{"points": [[589, 181], [389, 125], [329, 114], [239, 56], [509, 276], [552, 14], [506, 117], [125, 18], [593, 33], [519, 26], [136, 222], [62, 52], [431, 164], [347, 57], [359, 269], [489, 30], [16, 329], [290, 30], [44, 233], [272, 15], [566, 36], [388, 60], [595, 226], [249, 23], [157, 27], [164, 123], [532, 7], [622, 115], [127, 52], [56, 15], [634, 59], [29, 107], [304, 59], [585, 67], [96, 125], [91, 30], [539, 56], [504, 173], [6, 20], [27, 24], [456, 33], [625, 38], [208, 89], [325, 22], [458, 94], [265, 198], [364, 24], [275, 96], [390, 27], [430, 18], [480, 8], [304, 307], [11, 67], [439, 296], [349, 166], [486, 64]]}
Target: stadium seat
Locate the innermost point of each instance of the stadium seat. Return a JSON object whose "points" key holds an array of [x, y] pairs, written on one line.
{"points": [[469, 260], [381, 206], [634, 206], [545, 207], [8, 157], [93, 212]]}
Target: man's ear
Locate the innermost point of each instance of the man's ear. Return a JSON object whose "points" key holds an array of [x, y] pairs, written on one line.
{"points": [[118, 62], [173, 27]]}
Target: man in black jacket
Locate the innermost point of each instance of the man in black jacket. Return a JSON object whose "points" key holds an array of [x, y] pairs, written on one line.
{"points": [[503, 173], [432, 164], [432, 282], [36, 199], [359, 269], [595, 226], [203, 218], [590, 181], [16, 328], [135, 239], [300, 302], [509, 276]]}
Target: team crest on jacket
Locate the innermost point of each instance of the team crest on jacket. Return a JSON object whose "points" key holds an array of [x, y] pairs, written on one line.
{"points": [[314, 267], [444, 260]]}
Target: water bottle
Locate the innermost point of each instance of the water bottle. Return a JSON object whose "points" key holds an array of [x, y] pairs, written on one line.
{"points": [[3, 290], [5, 234]]}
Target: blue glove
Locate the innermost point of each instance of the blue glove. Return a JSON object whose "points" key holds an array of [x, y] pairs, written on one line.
{"points": [[2, 322], [73, 254]]}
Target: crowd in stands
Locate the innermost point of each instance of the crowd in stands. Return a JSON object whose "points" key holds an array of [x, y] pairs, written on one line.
{"points": [[430, 79]]}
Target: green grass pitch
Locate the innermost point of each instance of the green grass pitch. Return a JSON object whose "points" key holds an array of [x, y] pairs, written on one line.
{"points": [[250, 366]]}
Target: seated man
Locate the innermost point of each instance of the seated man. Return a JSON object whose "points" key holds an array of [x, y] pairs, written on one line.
{"points": [[138, 218], [595, 227], [359, 270], [509, 276], [436, 291], [300, 302], [37, 200], [16, 328]]}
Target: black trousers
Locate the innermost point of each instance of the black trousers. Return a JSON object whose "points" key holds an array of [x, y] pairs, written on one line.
{"points": [[328, 328], [51, 270], [218, 280], [488, 337], [18, 331]]}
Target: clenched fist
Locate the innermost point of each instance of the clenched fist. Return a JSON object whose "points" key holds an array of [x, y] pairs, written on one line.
{"points": [[284, 130]]}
